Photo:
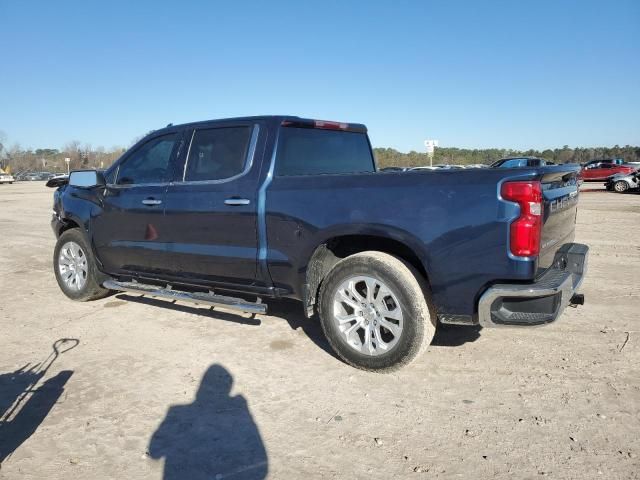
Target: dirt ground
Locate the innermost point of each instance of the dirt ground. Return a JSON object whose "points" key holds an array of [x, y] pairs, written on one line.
{"points": [[146, 389]]}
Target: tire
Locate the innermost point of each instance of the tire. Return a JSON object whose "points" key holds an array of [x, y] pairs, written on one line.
{"points": [[75, 268], [621, 186], [400, 297]]}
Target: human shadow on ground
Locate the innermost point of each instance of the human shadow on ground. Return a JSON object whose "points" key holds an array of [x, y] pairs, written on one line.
{"points": [[23, 407], [214, 437]]}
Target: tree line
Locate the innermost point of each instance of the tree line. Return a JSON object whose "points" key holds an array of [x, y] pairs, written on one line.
{"points": [[389, 157], [17, 159]]}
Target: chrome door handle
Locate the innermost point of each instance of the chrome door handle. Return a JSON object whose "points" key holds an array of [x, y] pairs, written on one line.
{"points": [[151, 201], [236, 201]]}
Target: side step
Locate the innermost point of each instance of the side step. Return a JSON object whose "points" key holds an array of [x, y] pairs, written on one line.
{"points": [[198, 298]]}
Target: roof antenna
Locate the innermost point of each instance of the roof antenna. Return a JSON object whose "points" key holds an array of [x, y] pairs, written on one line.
{"points": [[169, 125]]}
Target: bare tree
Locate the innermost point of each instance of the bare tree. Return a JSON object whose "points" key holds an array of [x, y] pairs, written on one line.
{"points": [[73, 151]]}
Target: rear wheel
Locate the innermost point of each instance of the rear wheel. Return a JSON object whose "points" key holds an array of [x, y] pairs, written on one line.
{"points": [[75, 268], [621, 186], [374, 312]]}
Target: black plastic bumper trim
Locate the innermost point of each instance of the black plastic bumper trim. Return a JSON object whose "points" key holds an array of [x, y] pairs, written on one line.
{"points": [[559, 282]]}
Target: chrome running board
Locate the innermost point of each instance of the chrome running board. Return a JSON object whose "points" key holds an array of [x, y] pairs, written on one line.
{"points": [[199, 298]]}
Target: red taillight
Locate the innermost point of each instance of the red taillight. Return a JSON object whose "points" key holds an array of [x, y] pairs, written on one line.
{"points": [[527, 228], [331, 125], [323, 125]]}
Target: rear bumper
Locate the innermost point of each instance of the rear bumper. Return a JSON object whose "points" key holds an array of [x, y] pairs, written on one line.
{"points": [[537, 303]]}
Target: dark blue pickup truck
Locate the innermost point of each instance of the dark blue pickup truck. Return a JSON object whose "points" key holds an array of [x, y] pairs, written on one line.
{"points": [[234, 212]]}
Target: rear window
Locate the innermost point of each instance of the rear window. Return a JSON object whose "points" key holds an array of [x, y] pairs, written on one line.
{"points": [[313, 151]]}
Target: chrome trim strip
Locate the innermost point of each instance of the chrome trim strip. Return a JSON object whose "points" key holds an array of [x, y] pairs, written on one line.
{"points": [[237, 201], [135, 185], [186, 159], [262, 213]]}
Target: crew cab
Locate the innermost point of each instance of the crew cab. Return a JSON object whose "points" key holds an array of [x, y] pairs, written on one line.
{"points": [[238, 212]]}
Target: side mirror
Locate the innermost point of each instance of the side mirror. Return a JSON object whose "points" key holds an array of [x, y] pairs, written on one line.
{"points": [[86, 179]]}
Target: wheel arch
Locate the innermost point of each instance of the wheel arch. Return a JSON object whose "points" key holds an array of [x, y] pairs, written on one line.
{"points": [[334, 248], [67, 224]]}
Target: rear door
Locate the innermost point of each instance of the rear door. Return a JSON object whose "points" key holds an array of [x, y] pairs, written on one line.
{"points": [[130, 232], [212, 205]]}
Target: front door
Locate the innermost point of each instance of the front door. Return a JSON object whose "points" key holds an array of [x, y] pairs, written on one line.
{"points": [[129, 233], [212, 206]]}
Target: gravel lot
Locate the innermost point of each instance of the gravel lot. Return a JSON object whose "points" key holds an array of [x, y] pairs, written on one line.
{"points": [[149, 389]]}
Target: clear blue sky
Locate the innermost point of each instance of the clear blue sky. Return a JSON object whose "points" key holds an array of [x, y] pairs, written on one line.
{"points": [[470, 73]]}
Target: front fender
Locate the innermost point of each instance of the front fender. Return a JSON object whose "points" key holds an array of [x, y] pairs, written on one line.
{"points": [[78, 208]]}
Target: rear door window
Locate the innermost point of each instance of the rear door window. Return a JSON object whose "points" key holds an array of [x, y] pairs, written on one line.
{"points": [[217, 153], [313, 151]]}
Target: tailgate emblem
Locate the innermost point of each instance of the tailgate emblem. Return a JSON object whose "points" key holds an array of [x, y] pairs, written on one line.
{"points": [[564, 202]]}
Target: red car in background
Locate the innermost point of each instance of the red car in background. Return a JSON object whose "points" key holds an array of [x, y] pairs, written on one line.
{"points": [[600, 171]]}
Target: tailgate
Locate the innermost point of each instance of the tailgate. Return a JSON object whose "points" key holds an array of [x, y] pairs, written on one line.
{"points": [[560, 193]]}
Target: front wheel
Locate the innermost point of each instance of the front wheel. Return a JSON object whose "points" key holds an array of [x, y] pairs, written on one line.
{"points": [[75, 268], [621, 186], [374, 311]]}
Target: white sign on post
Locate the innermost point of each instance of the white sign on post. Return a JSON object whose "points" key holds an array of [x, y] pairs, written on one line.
{"points": [[430, 145], [67, 161]]}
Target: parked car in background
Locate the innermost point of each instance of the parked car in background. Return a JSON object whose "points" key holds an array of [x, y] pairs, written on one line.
{"points": [[441, 166], [622, 182], [612, 161], [413, 169], [521, 162], [394, 169], [446, 166], [30, 176], [477, 165], [6, 177], [594, 172]]}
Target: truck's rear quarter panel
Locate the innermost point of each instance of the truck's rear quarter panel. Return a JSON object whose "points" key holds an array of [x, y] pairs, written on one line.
{"points": [[452, 221]]}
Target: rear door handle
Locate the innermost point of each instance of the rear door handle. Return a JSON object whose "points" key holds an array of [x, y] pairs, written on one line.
{"points": [[151, 201], [237, 201]]}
